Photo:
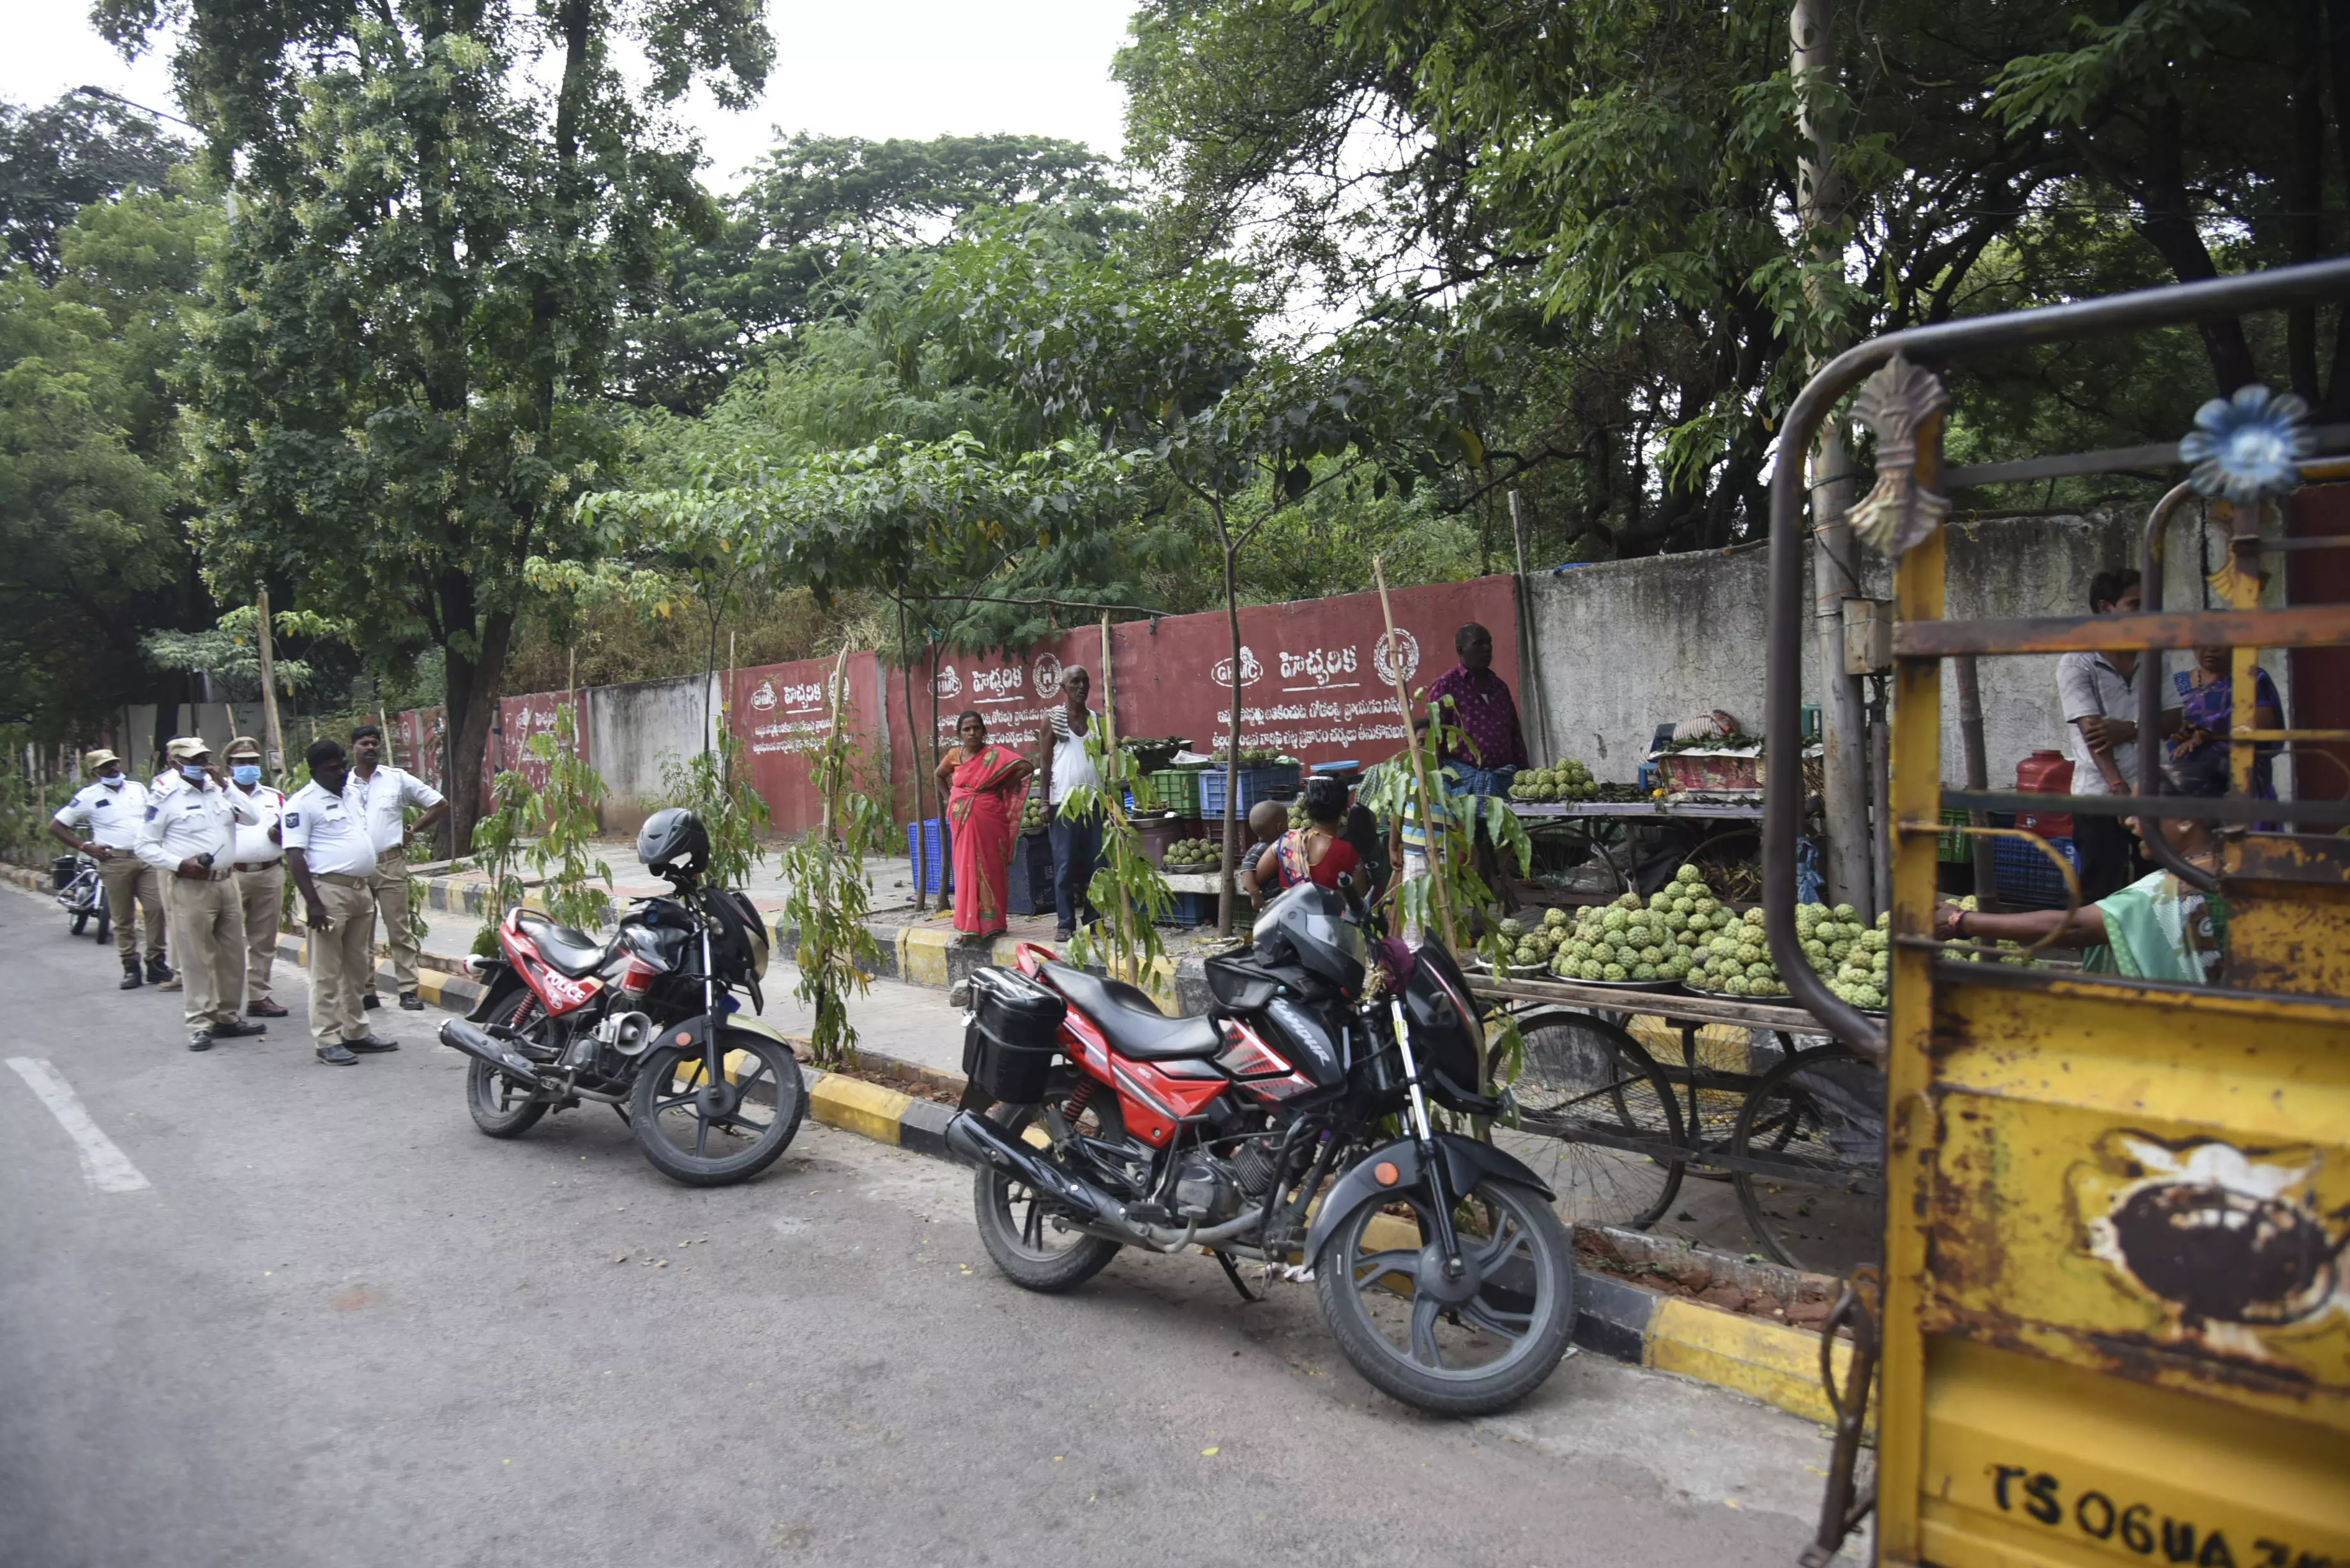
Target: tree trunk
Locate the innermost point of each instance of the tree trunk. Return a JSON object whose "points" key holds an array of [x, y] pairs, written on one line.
{"points": [[1233, 828], [2338, 61], [2306, 193], [471, 694], [1844, 729], [2168, 222], [914, 726]]}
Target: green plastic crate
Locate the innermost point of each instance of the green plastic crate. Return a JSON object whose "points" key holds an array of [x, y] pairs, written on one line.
{"points": [[1176, 790], [1952, 848]]}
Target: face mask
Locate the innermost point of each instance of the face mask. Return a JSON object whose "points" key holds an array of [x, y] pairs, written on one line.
{"points": [[192, 771], [113, 781], [246, 774]]}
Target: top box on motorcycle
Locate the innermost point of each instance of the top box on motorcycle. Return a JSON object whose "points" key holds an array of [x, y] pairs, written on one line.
{"points": [[1015, 1033], [62, 870]]}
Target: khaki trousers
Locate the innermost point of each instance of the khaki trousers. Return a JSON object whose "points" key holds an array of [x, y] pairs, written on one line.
{"points": [[341, 957], [263, 896], [127, 877], [389, 885], [208, 935]]}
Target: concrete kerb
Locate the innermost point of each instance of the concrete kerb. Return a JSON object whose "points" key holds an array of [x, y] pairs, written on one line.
{"points": [[1774, 1362]]}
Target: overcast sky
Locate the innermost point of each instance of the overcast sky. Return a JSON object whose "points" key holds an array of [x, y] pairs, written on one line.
{"points": [[870, 67]]}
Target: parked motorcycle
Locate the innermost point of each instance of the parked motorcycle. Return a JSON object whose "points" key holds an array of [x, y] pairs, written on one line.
{"points": [[648, 1024], [80, 894], [1442, 1267]]}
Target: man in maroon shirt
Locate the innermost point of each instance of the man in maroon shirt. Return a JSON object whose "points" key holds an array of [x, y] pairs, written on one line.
{"points": [[1474, 700]]}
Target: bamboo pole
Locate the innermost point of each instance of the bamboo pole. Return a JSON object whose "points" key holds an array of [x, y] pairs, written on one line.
{"points": [[1127, 931], [1428, 824], [272, 736], [1531, 662], [839, 686]]}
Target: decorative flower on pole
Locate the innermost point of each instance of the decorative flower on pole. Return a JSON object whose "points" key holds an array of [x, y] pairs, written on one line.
{"points": [[2247, 447]]}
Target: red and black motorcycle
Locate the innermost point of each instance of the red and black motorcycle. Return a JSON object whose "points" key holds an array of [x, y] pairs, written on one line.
{"points": [[1442, 1267], [648, 1024]]}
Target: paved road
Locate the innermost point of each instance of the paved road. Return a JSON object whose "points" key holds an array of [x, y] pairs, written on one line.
{"points": [[317, 1319]]}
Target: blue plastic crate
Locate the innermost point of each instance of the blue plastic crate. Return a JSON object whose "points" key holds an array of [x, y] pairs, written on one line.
{"points": [[938, 849], [2027, 877], [1192, 909], [1278, 781], [1031, 892]]}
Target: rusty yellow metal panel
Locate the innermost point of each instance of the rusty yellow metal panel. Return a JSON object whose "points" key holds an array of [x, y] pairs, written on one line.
{"points": [[2148, 1186], [2116, 1307], [2028, 1463]]}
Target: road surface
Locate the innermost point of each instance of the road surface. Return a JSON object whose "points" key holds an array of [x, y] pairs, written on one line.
{"points": [[260, 1311]]}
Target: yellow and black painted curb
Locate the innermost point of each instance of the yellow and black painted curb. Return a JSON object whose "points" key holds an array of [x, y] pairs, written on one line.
{"points": [[1774, 1363]]}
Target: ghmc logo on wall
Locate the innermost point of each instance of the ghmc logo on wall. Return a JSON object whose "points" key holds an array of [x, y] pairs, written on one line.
{"points": [[1407, 655], [1250, 670]]}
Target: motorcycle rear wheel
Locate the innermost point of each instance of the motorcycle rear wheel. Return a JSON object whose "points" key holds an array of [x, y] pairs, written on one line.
{"points": [[79, 921], [1470, 1358], [1018, 1231], [690, 1138], [503, 1107]]}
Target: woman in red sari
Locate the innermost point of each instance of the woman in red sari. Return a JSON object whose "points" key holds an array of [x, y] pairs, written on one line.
{"points": [[985, 785]]}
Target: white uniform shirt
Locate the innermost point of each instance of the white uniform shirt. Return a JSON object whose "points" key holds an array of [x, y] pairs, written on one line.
{"points": [[1072, 768], [106, 816], [381, 800], [2089, 686], [185, 819], [253, 844], [330, 829]]}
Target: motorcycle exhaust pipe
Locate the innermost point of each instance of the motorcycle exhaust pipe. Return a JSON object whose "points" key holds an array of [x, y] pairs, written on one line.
{"points": [[979, 1141], [459, 1035]]}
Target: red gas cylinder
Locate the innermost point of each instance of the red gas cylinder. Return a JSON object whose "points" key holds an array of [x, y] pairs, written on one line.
{"points": [[2045, 772]]}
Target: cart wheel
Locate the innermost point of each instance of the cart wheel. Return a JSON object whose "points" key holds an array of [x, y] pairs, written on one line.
{"points": [[1583, 1079], [1819, 1115]]}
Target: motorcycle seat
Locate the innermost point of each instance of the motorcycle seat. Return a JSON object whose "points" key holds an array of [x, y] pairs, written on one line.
{"points": [[1131, 1022], [566, 951]]}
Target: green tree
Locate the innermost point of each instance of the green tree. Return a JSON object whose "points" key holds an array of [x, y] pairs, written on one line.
{"points": [[93, 507], [820, 233], [56, 160], [1181, 368], [441, 211]]}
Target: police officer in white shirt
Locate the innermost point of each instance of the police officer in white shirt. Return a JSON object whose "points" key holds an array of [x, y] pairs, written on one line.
{"points": [[260, 875], [109, 812], [331, 853], [189, 835], [384, 792]]}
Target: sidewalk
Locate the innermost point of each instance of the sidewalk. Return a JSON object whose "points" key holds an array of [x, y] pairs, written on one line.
{"points": [[920, 950]]}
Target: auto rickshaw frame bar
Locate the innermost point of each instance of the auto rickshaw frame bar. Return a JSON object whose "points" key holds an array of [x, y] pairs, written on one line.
{"points": [[1950, 1273], [2178, 304]]}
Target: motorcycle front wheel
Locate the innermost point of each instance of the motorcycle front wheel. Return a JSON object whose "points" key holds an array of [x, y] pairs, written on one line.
{"points": [[1464, 1347], [713, 1134]]}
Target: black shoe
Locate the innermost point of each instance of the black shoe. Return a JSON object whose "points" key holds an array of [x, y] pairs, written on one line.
{"points": [[372, 1002], [157, 972], [335, 1056], [372, 1043], [410, 1002], [131, 980], [237, 1029], [200, 1041]]}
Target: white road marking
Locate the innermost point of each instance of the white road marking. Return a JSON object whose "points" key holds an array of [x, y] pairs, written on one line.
{"points": [[106, 1166]]}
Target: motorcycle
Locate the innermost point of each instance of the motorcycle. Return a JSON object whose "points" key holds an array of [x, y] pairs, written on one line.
{"points": [[1097, 1122], [80, 894], [648, 1024]]}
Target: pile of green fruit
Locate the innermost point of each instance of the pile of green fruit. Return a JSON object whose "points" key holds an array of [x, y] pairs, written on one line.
{"points": [[1567, 781], [1032, 815], [1194, 855], [1845, 952], [2009, 952], [1653, 942]]}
